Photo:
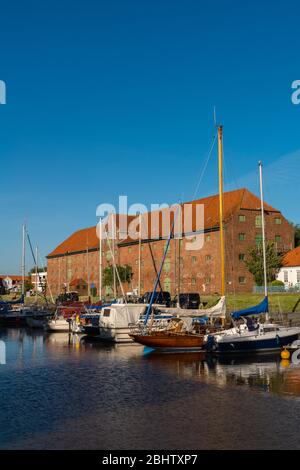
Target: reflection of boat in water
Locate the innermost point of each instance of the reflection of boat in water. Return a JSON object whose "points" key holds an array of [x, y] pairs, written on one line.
{"points": [[62, 339], [263, 372]]}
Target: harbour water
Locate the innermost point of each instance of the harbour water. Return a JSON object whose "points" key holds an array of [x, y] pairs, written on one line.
{"points": [[61, 393]]}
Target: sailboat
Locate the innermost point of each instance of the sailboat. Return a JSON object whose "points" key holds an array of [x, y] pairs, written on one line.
{"points": [[253, 336], [182, 332]]}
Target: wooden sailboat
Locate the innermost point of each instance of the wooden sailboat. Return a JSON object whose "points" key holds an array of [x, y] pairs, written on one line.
{"points": [[183, 336]]}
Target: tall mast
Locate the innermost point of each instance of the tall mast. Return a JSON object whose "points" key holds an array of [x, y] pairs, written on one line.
{"points": [[100, 260], [113, 250], [23, 258], [88, 267], [222, 250], [36, 274], [140, 243], [263, 229]]}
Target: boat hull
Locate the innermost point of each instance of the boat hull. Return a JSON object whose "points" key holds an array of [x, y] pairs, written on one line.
{"points": [[170, 341], [254, 345], [58, 326], [115, 335]]}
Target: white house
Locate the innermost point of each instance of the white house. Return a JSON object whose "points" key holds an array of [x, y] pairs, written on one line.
{"points": [[290, 271], [12, 283], [41, 281]]}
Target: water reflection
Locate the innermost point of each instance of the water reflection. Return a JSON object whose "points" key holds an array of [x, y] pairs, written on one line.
{"points": [[61, 392], [266, 373]]}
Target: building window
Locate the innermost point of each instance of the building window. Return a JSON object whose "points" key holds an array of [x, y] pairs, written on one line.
{"points": [[258, 221], [142, 284], [207, 257], [207, 238], [129, 249], [242, 256], [136, 261], [277, 238], [167, 265], [194, 259], [298, 276], [207, 280], [277, 220], [242, 218], [241, 236], [193, 281], [167, 285], [142, 247], [242, 280], [285, 276], [258, 239]]}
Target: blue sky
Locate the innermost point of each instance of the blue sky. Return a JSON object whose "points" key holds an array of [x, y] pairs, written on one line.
{"points": [[109, 98]]}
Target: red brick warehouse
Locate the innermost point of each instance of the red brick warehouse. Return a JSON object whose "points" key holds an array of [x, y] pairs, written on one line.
{"points": [[77, 258]]}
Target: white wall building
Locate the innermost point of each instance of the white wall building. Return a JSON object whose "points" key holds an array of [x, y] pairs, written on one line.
{"points": [[41, 281], [290, 271]]}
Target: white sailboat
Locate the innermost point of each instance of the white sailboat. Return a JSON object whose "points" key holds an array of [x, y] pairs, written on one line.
{"points": [[253, 336]]}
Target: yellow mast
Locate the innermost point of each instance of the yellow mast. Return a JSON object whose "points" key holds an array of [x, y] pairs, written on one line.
{"points": [[220, 154]]}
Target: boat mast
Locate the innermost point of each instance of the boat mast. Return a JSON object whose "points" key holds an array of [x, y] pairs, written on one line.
{"points": [[220, 156], [113, 250], [88, 266], [263, 231], [36, 274], [140, 243], [100, 260], [23, 258]]}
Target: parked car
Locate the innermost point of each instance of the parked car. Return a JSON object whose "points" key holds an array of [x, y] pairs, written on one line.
{"points": [[189, 300], [68, 296], [160, 297]]}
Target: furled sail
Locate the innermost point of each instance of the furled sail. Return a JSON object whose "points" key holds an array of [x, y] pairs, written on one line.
{"points": [[217, 311], [263, 307]]}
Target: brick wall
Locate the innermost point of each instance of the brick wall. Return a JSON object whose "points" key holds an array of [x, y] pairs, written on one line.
{"points": [[198, 271]]}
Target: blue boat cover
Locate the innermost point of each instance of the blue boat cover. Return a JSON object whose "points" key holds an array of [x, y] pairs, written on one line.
{"points": [[263, 307]]}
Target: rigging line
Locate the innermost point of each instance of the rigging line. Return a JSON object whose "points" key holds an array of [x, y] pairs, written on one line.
{"points": [[151, 252], [205, 165], [31, 249], [115, 266]]}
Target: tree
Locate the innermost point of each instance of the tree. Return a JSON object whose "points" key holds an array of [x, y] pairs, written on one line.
{"points": [[296, 228], [28, 285], [40, 270], [125, 273], [255, 264]]}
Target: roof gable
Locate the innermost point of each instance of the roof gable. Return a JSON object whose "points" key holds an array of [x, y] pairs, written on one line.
{"points": [[292, 258]]}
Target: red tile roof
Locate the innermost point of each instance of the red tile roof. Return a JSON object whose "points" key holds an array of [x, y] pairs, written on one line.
{"points": [[82, 239], [14, 278], [233, 202], [292, 258]]}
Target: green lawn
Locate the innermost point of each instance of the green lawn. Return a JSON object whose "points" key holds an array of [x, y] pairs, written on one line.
{"points": [[278, 302]]}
